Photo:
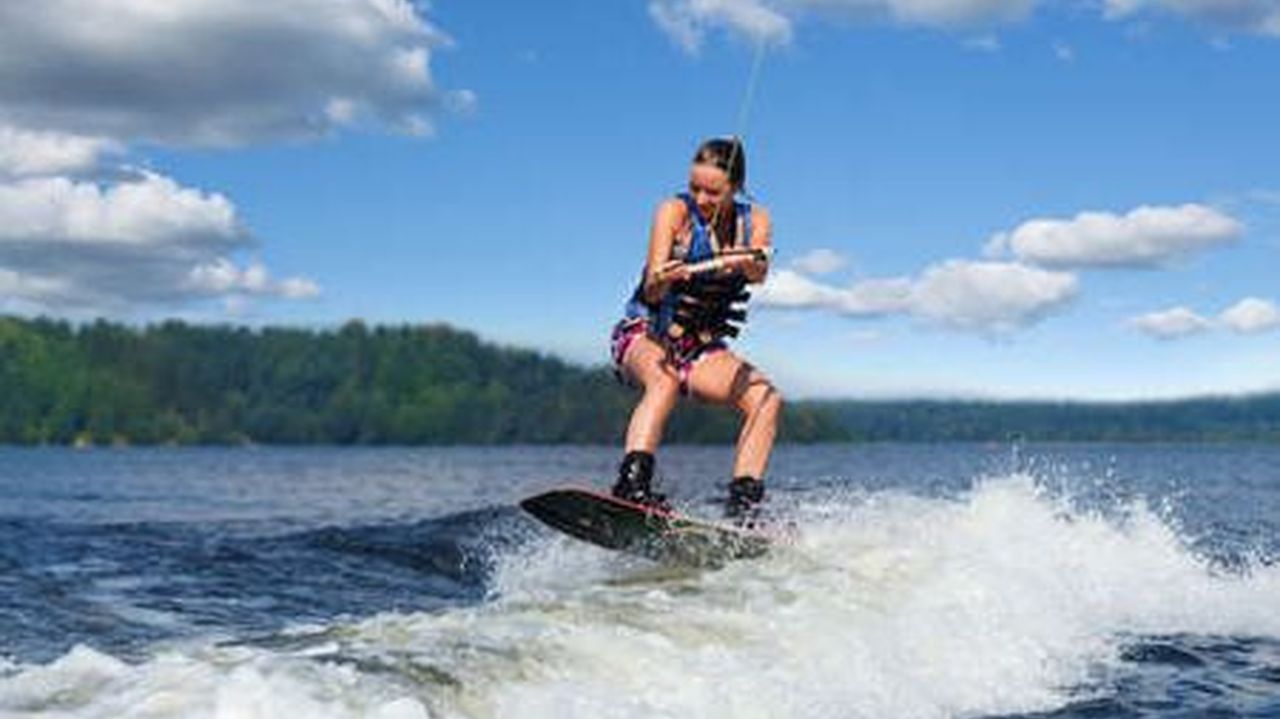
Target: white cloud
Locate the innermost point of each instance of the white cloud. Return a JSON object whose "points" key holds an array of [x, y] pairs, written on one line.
{"points": [[80, 246], [24, 153], [1260, 17], [877, 296], [789, 289], [820, 262], [150, 211], [983, 297], [215, 72], [1115, 9], [1144, 237], [461, 102], [1251, 315], [341, 110], [1063, 51], [990, 296], [772, 21], [26, 294], [683, 27], [82, 81], [1170, 324], [688, 21], [223, 277]]}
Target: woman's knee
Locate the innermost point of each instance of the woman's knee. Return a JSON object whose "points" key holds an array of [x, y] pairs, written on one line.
{"points": [[662, 387], [762, 399], [771, 404], [773, 401]]}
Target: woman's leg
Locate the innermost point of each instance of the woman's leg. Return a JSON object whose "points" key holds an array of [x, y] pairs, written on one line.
{"points": [[724, 378], [646, 364]]}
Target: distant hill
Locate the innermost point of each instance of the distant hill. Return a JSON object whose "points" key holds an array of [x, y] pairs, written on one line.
{"points": [[178, 383], [1245, 418]]}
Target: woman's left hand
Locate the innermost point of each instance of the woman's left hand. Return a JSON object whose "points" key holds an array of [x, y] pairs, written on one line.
{"points": [[751, 265]]}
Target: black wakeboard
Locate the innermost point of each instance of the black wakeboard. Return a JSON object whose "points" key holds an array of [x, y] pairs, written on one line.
{"points": [[617, 524]]}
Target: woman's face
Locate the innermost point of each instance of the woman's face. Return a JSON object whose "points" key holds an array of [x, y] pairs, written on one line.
{"points": [[710, 189]]}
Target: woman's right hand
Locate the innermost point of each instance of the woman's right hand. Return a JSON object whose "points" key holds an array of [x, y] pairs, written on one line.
{"points": [[659, 280], [672, 271]]}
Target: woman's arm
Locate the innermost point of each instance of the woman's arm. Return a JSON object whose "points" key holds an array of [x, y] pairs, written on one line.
{"points": [[660, 269], [755, 266]]}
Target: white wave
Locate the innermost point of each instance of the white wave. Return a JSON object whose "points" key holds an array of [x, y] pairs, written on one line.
{"points": [[1002, 600]]}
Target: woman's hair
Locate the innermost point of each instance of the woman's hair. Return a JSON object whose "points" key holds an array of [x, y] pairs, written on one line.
{"points": [[727, 154]]}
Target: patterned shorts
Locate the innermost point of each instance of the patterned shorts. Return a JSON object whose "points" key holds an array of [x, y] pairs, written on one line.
{"points": [[682, 353]]}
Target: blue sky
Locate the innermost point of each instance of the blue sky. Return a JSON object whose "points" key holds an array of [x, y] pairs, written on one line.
{"points": [[992, 198]]}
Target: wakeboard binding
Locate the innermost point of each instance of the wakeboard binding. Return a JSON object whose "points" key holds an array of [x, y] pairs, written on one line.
{"points": [[746, 495], [635, 482]]}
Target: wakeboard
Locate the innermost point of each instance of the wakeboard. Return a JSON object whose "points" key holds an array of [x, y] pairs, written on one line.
{"points": [[665, 536]]}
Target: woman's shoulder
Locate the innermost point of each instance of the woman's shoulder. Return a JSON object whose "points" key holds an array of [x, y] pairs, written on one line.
{"points": [[674, 208]]}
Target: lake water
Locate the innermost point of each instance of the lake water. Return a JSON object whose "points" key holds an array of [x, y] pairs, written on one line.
{"points": [[925, 581]]}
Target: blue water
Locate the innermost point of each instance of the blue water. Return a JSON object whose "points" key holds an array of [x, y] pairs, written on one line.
{"points": [[926, 581]]}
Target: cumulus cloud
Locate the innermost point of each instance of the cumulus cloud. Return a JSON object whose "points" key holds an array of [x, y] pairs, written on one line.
{"points": [[820, 262], [152, 210], [20, 293], [84, 81], [1144, 237], [772, 21], [688, 21], [1170, 324], [1029, 273], [1251, 315], [789, 289], [25, 153], [216, 72], [1260, 17], [223, 277], [989, 298], [77, 246]]}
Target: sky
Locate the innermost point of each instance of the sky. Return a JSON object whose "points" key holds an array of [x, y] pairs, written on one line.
{"points": [[1039, 199]]}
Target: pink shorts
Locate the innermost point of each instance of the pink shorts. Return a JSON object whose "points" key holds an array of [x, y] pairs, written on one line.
{"points": [[683, 354]]}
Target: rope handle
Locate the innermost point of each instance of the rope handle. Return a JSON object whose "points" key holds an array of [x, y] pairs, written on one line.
{"points": [[760, 254]]}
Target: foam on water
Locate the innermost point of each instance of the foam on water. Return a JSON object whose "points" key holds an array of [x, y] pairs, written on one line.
{"points": [[1002, 600]]}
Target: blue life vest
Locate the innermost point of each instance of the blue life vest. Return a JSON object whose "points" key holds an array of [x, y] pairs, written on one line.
{"points": [[709, 306]]}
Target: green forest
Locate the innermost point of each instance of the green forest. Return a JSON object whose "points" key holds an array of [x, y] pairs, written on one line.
{"points": [[176, 383], [1212, 419]]}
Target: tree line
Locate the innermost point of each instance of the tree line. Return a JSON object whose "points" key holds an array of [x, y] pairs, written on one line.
{"points": [[177, 383], [1253, 418]]}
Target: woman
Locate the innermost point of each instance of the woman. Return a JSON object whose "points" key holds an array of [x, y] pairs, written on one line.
{"points": [[705, 246]]}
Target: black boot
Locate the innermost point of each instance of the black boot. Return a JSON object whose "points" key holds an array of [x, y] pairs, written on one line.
{"points": [[635, 481], [745, 496]]}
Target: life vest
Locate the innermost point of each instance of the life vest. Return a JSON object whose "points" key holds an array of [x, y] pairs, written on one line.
{"points": [[705, 308]]}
